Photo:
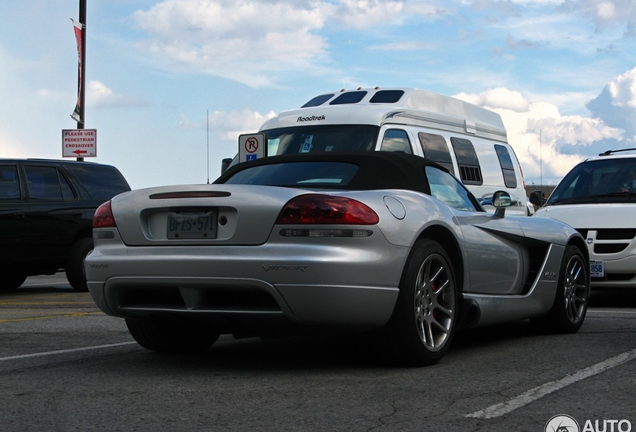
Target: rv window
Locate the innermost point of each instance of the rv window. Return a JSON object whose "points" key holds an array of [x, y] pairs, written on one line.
{"points": [[507, 168], [321, 138], [467, 160], [436, 149], [349, 98], [396, 140], [387, 96], [318, 100]]}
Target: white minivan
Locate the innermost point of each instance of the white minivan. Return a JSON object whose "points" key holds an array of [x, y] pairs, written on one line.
{"points": [[468, 140], [598, 198]]}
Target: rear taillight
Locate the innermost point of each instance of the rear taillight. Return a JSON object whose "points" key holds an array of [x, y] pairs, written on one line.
{"points": [[326, 209], [103, 217]]}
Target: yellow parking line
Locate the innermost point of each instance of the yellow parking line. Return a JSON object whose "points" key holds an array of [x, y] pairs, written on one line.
{"points": [[22, 303], [61, 315]]}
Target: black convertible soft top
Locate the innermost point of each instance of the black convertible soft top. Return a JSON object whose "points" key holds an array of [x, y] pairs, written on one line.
{"points": [[376, 170]]}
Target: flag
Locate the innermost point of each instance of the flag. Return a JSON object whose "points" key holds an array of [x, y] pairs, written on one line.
{"points": [[77, 27]]}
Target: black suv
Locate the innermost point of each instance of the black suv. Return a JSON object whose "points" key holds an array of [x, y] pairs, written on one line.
{"points": [[46, 216]]}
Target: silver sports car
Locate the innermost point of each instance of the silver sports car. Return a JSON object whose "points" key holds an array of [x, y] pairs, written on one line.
{"points": [[368, 241]]}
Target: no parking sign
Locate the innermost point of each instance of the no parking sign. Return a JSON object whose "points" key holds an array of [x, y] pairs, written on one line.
{"points": [[252, 147]]}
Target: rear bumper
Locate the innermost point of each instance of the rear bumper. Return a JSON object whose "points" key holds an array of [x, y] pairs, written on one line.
{"points": [[349, 287]]}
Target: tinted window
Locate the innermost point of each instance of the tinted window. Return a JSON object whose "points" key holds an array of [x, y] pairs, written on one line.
{"points": [[313, 139], [102, 182], [447, 189], [507, 167], [436, 149], [318, 100], [396, 140], [467, 161], [297, 174], [9, 185], [349, 98], [387, 96], [47, 183]]}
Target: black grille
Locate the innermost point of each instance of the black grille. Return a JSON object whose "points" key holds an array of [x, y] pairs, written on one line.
{"points": [[609, 248], [209, 299], [616, 234]]}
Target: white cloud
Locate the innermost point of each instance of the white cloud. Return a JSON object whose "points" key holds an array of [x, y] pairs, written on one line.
{"points": [[607, 14], [240, 40], [98, 95], [616, 105], [232, 124], [366, 13], [546, 143], [497, 98]]}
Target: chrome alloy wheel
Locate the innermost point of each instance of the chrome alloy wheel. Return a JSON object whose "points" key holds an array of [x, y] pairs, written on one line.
{"points": [[435, 302], [575, 288]]}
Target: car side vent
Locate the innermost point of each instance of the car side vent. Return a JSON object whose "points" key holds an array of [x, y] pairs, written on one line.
{"points": [[470, 175]]}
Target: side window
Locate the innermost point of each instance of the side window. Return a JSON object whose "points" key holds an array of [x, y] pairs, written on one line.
{"points": [[102, 182], [436, 149], [9, 183], [396, 140], [468, 162], [47, 183], [507, 167], [448, 190]]}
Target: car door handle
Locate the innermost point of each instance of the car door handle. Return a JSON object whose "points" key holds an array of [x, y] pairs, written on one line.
{"points": [[19, 215], [77, 213]]}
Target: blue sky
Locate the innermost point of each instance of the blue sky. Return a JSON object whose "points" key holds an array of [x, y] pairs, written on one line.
{"points": [[562, 73]]}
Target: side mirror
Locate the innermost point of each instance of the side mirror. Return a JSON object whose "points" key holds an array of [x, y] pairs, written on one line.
{"points": [[501, 200], [537, 198]]}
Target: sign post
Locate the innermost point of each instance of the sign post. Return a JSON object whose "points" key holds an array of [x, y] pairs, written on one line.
{"points": [[80, 36]]}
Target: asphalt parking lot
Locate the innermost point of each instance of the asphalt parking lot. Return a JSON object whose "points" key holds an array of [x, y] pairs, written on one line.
{"points": [[64, 365]]}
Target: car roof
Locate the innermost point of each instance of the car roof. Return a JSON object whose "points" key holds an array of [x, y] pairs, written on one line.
{"points": [[50, 161], [376, 170]]}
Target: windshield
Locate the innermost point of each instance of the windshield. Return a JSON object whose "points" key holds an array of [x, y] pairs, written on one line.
{"points": [[598, 181], [314, 139]]}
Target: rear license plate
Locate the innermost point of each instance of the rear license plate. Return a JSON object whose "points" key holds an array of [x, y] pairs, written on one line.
{"points": [[192, 225], [597, 269]]}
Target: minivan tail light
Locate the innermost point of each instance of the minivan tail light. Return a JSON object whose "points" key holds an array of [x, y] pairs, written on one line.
{"points": [[103, 217], [326, 209]]}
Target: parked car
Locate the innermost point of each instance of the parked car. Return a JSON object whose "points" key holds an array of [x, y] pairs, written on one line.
{"points": [[46, 215], [598, 198], [360, 241]]}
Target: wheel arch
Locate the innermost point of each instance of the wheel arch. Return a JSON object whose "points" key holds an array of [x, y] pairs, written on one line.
{"points": [[447, 240], [580, 243]]}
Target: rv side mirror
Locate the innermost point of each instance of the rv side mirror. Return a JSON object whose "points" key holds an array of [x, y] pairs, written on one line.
{"points": [[537, 198], [225, 164]]}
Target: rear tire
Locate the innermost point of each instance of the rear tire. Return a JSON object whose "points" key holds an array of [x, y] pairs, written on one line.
{"points": [[424, 320], [572, 296], [75, 263], [11, 281], [172, 336]]}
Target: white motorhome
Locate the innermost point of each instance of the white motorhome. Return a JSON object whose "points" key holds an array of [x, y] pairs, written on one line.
{"points": [[470, 141]]}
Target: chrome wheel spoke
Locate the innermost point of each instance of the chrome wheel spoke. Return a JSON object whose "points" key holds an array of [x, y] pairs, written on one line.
{"points": [[434, 302]]}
